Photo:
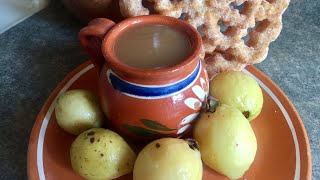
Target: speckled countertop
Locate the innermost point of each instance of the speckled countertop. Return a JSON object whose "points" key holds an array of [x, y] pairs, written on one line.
{"points": [[38, 53]]}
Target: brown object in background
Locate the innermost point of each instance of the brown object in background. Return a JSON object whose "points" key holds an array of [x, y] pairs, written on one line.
{"points": [[86, 10]]}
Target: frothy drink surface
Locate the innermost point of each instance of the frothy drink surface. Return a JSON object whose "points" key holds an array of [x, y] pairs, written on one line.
{"points": [[152, 47]]}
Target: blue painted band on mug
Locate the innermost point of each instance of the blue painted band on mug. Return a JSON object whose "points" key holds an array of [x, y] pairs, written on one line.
{"points": [[152, 91]]}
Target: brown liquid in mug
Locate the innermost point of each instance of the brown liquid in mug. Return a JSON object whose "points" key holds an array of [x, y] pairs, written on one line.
{"points": [[152, 47]]}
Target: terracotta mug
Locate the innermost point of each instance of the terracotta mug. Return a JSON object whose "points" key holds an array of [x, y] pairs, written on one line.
{"points": [[148, 103]]}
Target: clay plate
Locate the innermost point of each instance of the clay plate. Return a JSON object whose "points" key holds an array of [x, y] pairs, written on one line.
{"points": [[283, 147]]}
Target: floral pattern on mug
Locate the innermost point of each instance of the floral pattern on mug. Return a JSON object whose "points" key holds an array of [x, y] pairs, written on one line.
{"points": [[194, 103]]}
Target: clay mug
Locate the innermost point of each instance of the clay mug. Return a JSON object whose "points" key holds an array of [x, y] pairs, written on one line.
{"points": [[146, 103]]}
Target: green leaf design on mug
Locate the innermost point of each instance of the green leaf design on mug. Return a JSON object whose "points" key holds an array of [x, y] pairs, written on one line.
{"points": [[155, 125], [141, 131]]}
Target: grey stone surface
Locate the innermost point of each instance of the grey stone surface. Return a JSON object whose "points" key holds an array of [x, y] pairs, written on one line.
{"points": [[38, 53]]}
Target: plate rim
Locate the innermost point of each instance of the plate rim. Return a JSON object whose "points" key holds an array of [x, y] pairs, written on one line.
{"points": [[297, 123], [285, 101], [33, 139]]}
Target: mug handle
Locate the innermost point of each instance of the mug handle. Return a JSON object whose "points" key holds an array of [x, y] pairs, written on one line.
{"points": [[91, 38]]}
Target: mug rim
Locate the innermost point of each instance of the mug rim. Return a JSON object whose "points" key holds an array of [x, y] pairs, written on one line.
{"points": [[110, 38]]}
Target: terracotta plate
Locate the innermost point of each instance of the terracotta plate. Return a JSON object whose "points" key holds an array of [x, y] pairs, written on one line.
{"points": [[283, 147]]}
